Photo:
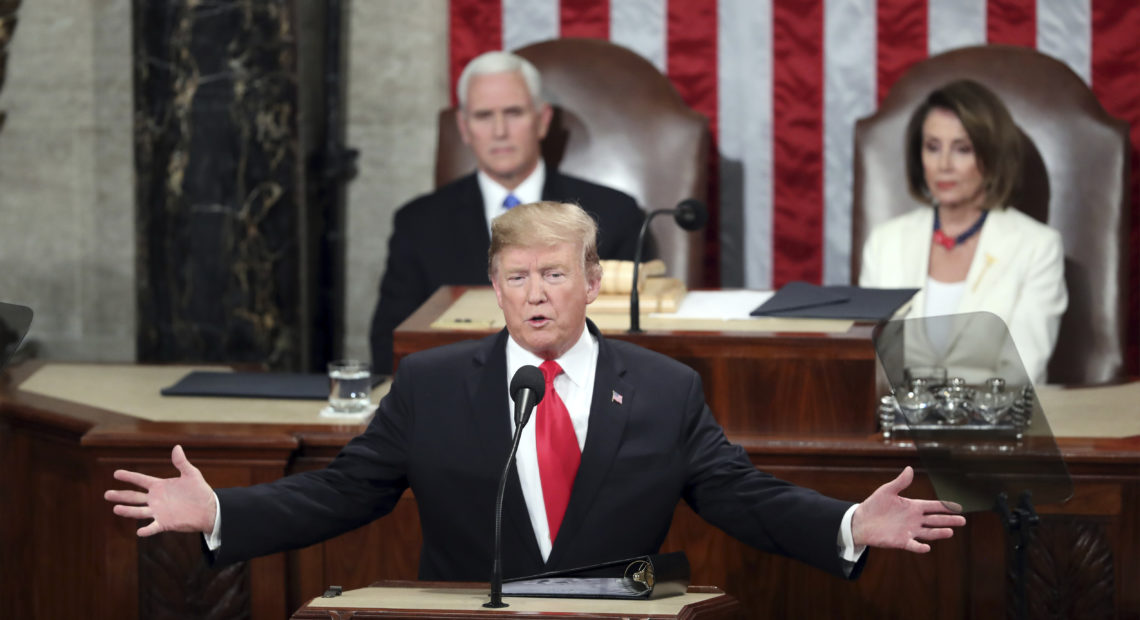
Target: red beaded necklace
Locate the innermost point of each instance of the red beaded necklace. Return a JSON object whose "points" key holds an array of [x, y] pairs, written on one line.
{"points": [[949, 242]]}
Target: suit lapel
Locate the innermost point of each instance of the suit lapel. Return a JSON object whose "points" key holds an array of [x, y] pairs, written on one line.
{"points": [[608, 419], [469, 221], [552, 186], [487, 389], [919, 245], [995, 239]]}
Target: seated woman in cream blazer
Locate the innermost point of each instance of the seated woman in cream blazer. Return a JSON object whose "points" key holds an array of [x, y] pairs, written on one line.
{"points": [[968, 252]]}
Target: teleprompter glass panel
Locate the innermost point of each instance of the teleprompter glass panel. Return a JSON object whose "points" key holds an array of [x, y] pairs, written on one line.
{"points": [[960, 392]]}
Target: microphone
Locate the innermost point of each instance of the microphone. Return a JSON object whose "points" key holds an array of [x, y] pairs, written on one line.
{"points": [[528, 386], [690, 215], [527, 389]]}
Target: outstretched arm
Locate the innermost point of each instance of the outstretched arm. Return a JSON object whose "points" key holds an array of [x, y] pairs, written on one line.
{"points": [[182, 504], [888, 520]]}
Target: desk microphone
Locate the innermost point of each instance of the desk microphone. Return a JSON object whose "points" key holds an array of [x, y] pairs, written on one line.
{"points": [[527, 388], [690, 215]]}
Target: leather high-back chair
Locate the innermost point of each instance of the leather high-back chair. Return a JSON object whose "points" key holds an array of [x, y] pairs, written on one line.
{"points": [[1075, 178], [617, 122]]}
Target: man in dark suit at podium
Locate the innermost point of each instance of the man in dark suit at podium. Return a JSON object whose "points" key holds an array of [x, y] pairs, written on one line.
{"points": [[442, 237], [620, 437]]}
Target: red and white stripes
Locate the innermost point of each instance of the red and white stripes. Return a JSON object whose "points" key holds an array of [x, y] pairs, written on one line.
{"points": [[783, 82]]}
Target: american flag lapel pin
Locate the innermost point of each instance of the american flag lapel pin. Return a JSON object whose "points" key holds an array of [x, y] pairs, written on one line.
{"points": [[616, 398]]}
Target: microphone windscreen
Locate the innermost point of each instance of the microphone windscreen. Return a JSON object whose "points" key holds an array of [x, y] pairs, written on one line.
{"points": [[691, 214], [528, 378]]}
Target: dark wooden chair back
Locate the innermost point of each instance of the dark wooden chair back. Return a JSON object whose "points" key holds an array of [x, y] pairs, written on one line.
{"points": [[617, 122]]}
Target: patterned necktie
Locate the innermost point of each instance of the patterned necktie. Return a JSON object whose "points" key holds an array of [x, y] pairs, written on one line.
{"points": [[511, 201], [558, 453]]}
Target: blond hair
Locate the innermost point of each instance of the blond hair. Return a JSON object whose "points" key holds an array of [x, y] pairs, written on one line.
{"points": [[543, 224]]}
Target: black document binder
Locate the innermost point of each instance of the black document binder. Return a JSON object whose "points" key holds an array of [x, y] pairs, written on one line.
{"points": [[808, 301], [645, 577], [251, 385], [290, 385]]}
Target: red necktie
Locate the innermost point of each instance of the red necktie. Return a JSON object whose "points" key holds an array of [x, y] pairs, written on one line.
{"points": [[558, 453]]}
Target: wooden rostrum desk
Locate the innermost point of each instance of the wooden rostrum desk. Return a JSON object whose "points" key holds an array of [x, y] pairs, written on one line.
{"points": [[819, 383], [464, 601], [67, 555]]}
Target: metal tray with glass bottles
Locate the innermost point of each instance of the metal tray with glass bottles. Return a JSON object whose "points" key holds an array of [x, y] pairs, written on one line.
{"points": [[931, 407]]}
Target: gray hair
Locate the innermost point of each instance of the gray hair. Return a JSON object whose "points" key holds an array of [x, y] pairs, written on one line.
{"points": [[500, 62]]}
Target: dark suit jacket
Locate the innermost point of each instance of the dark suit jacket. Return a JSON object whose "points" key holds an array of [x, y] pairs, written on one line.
{"points": [[444, 431], [441, 238]]}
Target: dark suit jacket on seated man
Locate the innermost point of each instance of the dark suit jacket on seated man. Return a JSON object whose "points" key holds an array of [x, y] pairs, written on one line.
{"points": [[442, 237], [641, 438]]}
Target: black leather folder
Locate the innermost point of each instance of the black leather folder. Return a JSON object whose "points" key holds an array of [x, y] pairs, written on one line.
{"points": [[291, 385], [809, 301], [645, 577], [288, 385]]}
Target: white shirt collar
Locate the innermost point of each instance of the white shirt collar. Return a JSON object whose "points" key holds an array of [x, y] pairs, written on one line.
{"points": [[577, 363], [530, 190]]}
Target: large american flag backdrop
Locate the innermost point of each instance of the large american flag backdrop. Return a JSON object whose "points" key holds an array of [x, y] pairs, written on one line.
{"points": [[783, 82]]}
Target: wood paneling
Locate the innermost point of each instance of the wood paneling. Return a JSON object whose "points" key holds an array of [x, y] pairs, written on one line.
{"points": [[771, 382]]}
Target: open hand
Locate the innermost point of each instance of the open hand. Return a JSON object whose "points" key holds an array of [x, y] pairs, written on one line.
{"points": [[182, 504], [888, 520]]}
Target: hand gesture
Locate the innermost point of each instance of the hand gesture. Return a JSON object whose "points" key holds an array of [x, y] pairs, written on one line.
{"points": [[182, 504], [888, 520]]}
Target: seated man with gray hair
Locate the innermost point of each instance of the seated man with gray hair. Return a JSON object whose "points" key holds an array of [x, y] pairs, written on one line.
{"points": [[442, 237], [621, 435]]}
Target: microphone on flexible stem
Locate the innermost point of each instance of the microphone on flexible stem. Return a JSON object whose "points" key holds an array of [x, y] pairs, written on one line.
{"points": [[527, 389], [690, 215]]}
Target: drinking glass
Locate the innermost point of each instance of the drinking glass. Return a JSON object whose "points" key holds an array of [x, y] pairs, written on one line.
{"points": [[350, 386]]}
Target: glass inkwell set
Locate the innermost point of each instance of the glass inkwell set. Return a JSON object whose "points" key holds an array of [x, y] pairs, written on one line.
{"points": [[961, 397], [953, 375], [930, 402]]}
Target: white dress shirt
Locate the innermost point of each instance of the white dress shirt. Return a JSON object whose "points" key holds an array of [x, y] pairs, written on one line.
{"points": [[575, 386], [530, 190]]}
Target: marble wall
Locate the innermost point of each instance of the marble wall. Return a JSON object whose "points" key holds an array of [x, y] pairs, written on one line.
{"points": [[66, 178], [221, 181], [67, 195], [398, 82]]}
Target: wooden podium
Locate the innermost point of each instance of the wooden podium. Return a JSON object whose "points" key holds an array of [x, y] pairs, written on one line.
{"points": [[419, 599]]}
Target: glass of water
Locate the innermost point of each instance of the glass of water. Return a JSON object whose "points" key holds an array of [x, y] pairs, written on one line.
{"points": [[350, 386]]}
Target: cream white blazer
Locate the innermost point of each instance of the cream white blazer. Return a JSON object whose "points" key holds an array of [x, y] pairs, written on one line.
{"points": [[1018, 273]]}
